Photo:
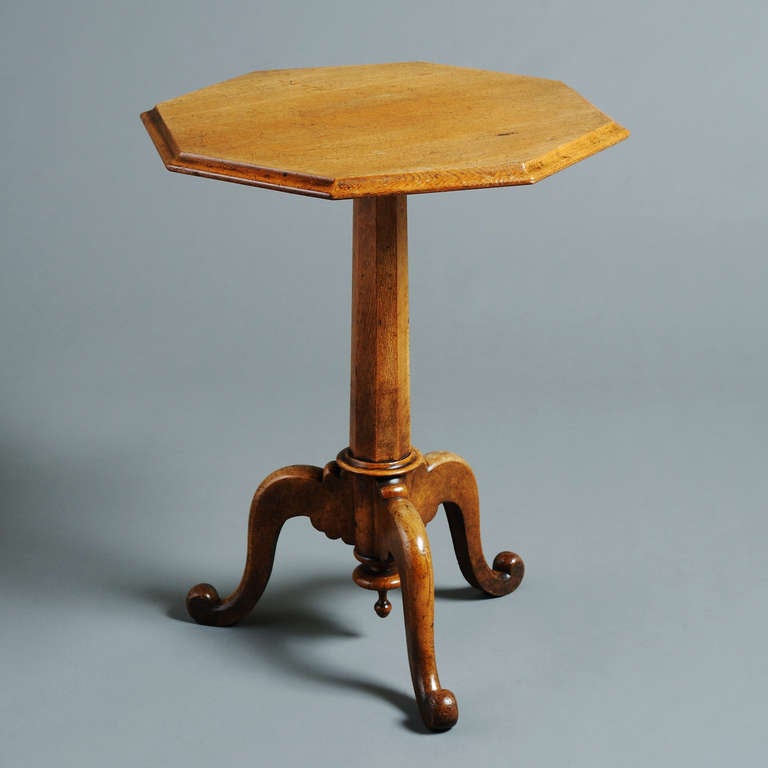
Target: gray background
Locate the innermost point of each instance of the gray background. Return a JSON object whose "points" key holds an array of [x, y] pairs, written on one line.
{"points": [[594, 345]]}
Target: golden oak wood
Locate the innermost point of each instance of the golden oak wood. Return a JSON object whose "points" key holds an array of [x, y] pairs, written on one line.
{"points": [[379, 129], [286, 493], [380, 492], [447, 479], [405, 537], [375, 133]]}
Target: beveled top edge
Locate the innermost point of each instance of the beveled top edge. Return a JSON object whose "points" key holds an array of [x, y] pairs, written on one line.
{"points": [[178, 162]]}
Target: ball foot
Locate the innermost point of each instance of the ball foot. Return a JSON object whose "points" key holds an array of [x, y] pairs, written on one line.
{"points": [[511, 564], [439, 710], [202, 601]]}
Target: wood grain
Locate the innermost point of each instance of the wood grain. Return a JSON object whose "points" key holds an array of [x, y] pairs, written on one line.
{"points": [[380, 492], [292, 491], [447, 479], [379, 129], [380, 414], [406, 538]]}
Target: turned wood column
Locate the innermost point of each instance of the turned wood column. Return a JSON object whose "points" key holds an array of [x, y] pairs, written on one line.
{"points": [[380, 411]]}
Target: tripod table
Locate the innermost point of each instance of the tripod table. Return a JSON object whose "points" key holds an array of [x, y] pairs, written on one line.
{"points": [[375, 134]]}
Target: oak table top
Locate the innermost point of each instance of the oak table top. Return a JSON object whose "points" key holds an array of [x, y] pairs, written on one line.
{"points": [[379, 129]]}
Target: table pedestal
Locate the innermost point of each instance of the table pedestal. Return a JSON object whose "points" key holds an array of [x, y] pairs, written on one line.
{"points": [[379, 494]]}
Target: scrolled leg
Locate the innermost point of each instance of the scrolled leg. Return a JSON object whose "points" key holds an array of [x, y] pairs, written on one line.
{"points": [[407, 540], [288, 492], [449, 480]]}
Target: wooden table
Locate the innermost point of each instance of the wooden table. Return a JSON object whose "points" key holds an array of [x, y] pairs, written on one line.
{"points": [[376, 134]]}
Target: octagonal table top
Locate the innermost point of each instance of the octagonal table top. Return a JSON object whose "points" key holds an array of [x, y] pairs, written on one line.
{"points": [[379, 129]]}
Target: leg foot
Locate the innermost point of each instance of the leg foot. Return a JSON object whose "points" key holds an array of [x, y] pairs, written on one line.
{"points": [[202, 601], [449, 480], [439, 710], [407, 540], [511, 564], [289, 492]]}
